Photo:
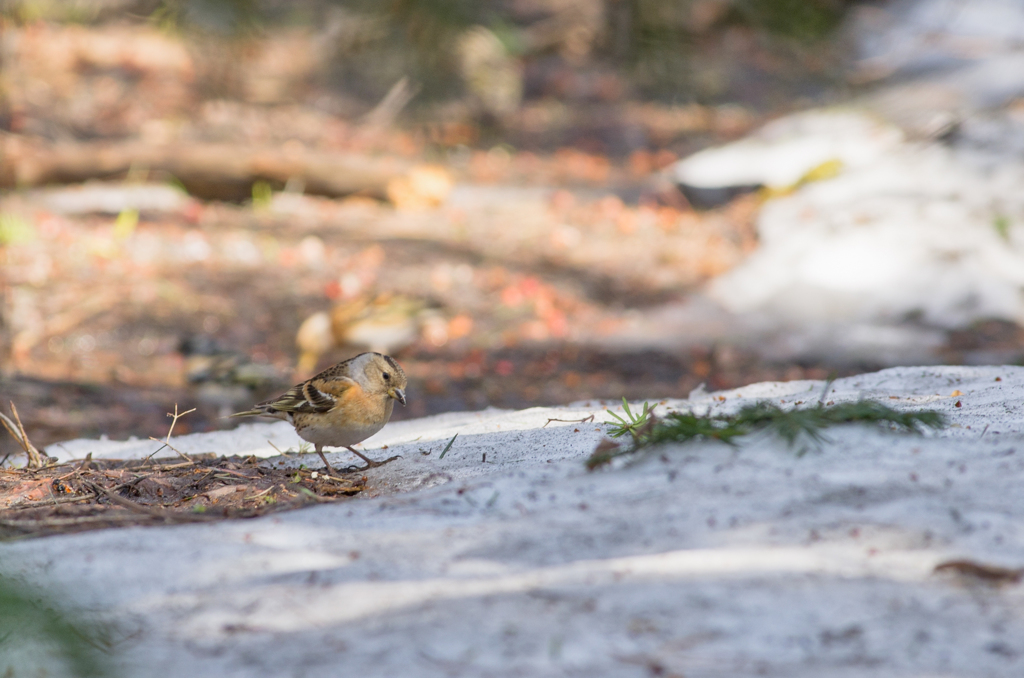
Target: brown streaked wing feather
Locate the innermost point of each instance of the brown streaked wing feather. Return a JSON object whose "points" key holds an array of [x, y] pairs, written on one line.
{"points": [[291, 401], [334, 386], [313, 395], [307, 397], [317, 399]]}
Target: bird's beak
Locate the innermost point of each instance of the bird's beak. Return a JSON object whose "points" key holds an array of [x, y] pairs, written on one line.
{"points": [[398, 394]]}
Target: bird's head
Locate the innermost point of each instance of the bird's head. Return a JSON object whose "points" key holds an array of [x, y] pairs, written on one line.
{"points": [[383, 375]]}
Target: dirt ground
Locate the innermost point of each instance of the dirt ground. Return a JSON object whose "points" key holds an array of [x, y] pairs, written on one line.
{"points": [[94, 494]]}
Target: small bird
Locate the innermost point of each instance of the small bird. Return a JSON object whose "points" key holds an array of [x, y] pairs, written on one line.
{"points": [[385, 323], [341, 406]]}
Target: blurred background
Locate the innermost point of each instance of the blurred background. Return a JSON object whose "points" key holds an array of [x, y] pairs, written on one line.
{"points": [[528, 202]]}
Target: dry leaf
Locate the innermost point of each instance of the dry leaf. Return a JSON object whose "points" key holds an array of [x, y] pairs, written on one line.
{"points": [[32, 490], [992, 574]]}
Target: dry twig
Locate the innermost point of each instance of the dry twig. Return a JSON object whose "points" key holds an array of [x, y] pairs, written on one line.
{"points": [[50, 502], [570, 421], [166, 516], [17, 431], [167, 442]]}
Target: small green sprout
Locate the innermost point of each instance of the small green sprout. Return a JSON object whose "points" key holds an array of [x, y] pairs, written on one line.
{"points": [[631, 423], [448, 446]]}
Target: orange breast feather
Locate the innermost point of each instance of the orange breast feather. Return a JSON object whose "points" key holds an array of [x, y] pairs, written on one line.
{"points": [[355, 405]]}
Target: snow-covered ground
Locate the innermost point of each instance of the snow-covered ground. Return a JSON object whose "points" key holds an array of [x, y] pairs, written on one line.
{"points": [[697, 560], [890, 219]]}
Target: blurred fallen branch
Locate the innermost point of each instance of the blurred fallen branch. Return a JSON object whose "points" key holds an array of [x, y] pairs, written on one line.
{"points": [[17, 431], [217, 171]]}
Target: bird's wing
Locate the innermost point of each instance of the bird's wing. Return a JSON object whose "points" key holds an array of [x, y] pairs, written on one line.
{"points": [[313, 395]]}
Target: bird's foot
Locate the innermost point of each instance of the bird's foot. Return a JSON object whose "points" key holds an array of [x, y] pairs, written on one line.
{"points": [[374, 464], [370, 463]]}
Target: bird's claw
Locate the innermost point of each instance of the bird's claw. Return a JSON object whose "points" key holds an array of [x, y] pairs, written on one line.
{"points": [[370, 463]]}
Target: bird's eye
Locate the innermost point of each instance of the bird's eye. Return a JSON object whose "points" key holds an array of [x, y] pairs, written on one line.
{"points": [[387, 376]]}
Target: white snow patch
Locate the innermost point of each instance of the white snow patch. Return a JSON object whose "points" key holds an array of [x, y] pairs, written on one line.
{"points": [[701, 559], [782, 152], [918, 232]]}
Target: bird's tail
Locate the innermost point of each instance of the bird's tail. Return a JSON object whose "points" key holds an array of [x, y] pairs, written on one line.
{"points": [[247, 413]]}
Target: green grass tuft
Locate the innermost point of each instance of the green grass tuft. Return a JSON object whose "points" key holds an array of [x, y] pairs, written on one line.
{"points": [[793, 425]]}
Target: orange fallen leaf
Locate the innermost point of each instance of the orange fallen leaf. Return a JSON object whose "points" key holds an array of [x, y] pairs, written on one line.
{"points": [[32, 490]]}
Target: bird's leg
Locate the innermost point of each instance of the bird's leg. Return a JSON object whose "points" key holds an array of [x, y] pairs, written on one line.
{"points": [[320, 451], [370, 463]]}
